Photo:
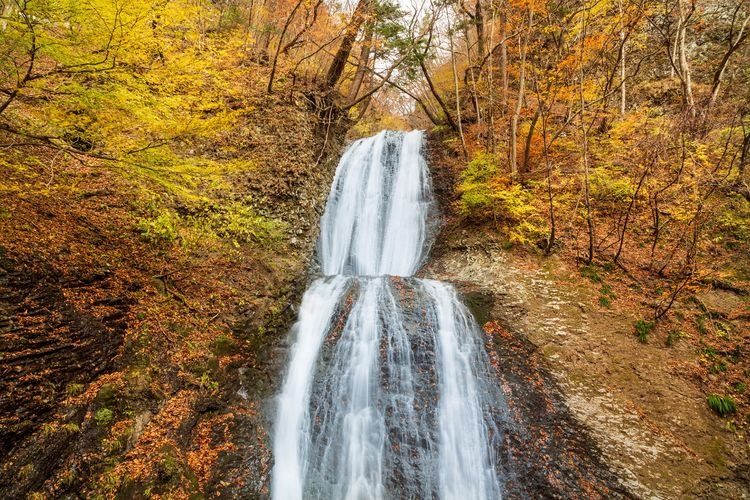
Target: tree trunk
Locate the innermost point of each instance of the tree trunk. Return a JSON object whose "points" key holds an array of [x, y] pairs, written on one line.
{"points": [[548, 164], [490, 127], [437, 97], [458, 100], [529, 137], [673, 53], [504, 62], [585, 143], [6, 12], [628, 212], [338, 64], [684, 68], [479, 25], [364, 60], [470, 78], [365, 104], [263, 36]]}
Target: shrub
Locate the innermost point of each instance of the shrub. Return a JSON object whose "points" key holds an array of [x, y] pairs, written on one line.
{"points": [[589, 271], [485, 194], [643, 329], [231, 222], [238, 222], [608, 188], [674, 336], [481, 169], [159, 230], [733, 222]]}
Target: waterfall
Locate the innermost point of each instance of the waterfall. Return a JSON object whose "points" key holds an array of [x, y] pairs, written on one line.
{"points": [[388, 392], [376, 216]]}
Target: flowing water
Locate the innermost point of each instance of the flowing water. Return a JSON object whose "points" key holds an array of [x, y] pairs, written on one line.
{"points": [[388, 392]]}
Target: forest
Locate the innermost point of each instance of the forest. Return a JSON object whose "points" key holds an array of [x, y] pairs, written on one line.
{"points": [[165, 164]]}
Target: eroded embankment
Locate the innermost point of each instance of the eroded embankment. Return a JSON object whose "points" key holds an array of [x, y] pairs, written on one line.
{"points": [[598, 406], [140, 311]]}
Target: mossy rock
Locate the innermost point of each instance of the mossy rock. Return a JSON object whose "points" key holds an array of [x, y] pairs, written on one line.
{"points": [[480, 304]]}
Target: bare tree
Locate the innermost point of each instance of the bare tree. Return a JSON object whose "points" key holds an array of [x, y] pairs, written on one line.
{"points": [[737, 35], [585, 138], [288, 22], [523, 46]]}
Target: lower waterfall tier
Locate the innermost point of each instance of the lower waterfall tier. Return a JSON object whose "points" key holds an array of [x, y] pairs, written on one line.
{"points": [[388, 395]]}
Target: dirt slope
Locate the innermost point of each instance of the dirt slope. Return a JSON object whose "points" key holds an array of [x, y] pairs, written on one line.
{"points": [[139, 312]]}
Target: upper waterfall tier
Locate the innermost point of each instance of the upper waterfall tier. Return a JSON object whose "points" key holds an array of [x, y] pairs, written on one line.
{"points": [[375, 221]]}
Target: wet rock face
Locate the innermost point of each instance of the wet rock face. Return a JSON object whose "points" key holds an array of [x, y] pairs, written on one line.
{"points": [[576, 376], [549, 454]]}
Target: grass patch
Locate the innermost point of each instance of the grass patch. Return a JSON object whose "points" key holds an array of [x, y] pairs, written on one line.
{"points": [[103, 417], [721, 405], [701, 324], [710, 352], [206, 382], [223, 345], [26, 471], [71, 428], [48, 429], [718, 367], [73, 389], [107, 394], [590, 272], [606, 295]]}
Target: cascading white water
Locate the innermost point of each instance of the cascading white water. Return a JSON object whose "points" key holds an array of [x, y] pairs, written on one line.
{"points": [[387, 394], [376, 216]]}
